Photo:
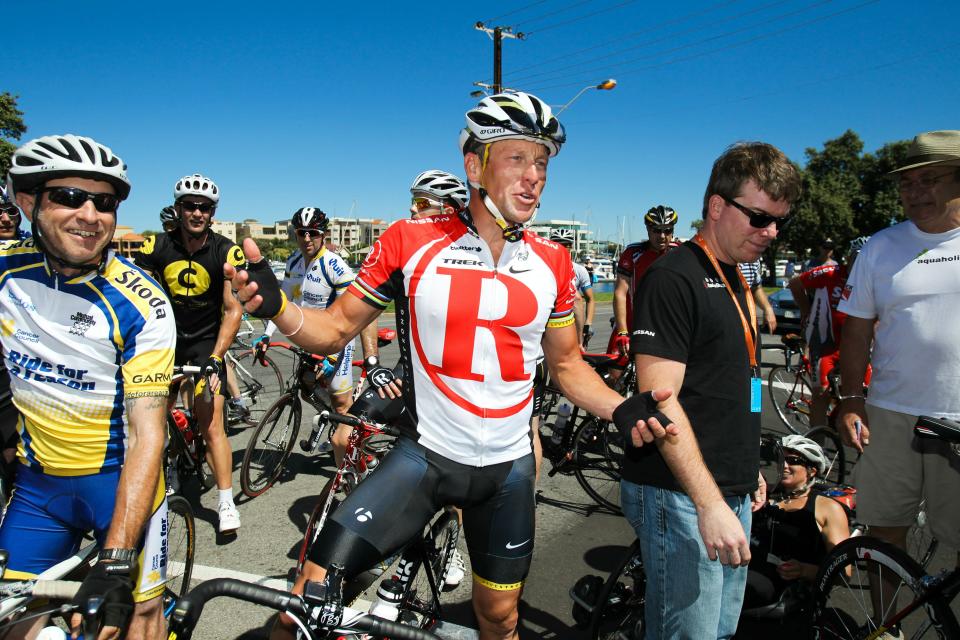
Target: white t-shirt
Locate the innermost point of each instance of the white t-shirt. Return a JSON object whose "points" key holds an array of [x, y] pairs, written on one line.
{"points": [[910, 282]]}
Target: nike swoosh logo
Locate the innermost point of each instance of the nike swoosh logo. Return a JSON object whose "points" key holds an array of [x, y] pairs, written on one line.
{"points": [[515, 270], [515, 546]]}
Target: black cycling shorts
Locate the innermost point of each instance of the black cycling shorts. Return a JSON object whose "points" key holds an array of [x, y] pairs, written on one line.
{"points": [[393, 505], [196, 353]]}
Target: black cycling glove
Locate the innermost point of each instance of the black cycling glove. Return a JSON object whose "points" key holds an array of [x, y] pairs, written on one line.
{"points": [[116, 589], [213, 367], [274, 300], [378, 375], [640, 406]]}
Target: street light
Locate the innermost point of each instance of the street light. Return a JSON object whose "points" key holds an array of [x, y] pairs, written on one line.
{"points": [[606, 85]]}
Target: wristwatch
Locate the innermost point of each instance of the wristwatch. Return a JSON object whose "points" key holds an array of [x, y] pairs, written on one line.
{"points": [[118, 560]]}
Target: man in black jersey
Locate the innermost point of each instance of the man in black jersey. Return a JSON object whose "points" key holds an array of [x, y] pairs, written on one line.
{"points": [[695, 332], [188, 262]]}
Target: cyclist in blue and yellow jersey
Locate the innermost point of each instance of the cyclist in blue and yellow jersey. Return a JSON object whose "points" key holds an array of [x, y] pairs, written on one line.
{"points": [[476, 295], [188, 263], [88, 338]]}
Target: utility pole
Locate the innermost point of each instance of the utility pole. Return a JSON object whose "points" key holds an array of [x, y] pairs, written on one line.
{"points": [[498, 34]]}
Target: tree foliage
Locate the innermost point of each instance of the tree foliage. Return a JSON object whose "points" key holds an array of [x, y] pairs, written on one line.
{"points": [[846, 193], [11, 127]]}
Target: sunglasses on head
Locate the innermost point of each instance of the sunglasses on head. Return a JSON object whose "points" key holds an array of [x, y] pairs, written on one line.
{"points": [[75, 198], [796, 461], [425, 203], [204, 207], [309, 233], [758, 219]]}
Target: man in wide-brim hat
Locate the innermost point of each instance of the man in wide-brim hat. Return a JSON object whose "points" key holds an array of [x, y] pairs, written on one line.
{"points": [[907, 280]]}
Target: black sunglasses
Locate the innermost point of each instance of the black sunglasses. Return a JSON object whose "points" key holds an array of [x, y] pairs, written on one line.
{"points": [[796, 461], [309, 233], [75, 198], [204, 207], [758, 219], [12, 210], [668, 231]]}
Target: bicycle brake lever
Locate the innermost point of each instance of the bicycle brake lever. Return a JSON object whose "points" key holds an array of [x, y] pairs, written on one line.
{"points": [[91, 618]]}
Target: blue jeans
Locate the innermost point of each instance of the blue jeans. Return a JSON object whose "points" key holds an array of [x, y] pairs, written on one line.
{"points": [[689, 596]]}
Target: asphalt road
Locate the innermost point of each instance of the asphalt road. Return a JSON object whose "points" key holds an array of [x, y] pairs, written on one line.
{"points": [[573, 538]]}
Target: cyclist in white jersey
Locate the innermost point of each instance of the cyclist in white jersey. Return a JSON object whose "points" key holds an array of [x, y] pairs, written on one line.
{"points": [[315, 277], [476, 295]]}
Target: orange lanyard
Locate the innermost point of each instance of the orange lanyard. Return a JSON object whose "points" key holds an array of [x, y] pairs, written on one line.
{"points": [[748, 330]]}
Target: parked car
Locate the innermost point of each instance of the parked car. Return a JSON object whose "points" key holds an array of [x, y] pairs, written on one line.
{"points": [[786, 311]]}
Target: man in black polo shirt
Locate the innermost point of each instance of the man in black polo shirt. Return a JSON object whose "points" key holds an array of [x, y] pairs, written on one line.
{"points": [[695, 331]]}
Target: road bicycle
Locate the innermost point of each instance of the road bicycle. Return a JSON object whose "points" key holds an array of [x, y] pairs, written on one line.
{"points": [[22, 601], [909, 602], [272, 442], [318, 613], [582, 444], [259, 381], [789, 386]]}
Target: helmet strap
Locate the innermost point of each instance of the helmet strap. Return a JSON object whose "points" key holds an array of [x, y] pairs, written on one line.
{"points": [[512, 232]]}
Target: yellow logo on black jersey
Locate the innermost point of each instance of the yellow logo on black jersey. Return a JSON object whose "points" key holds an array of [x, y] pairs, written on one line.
{"points": [[235, 257], [186, 278], [148, 244]]}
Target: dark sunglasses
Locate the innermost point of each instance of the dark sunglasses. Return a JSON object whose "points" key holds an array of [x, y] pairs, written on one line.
{"points": [[75, 198], [667, 231], [421, 204], [758, 219], [796, 461], [204, 207], [11, 210], [309, 233]]}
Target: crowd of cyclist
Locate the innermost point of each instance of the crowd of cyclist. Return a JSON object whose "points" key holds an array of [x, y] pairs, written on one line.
{"points": [[90, 339]]}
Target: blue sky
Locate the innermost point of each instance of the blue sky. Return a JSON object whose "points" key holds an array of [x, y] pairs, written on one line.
{"points": [[340, 105]]}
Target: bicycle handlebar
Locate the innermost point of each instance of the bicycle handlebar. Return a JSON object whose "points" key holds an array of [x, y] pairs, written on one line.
{"points": [[352, 421], [938, 428], [190, 607]]}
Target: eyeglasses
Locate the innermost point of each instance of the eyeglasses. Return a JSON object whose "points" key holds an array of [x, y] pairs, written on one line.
{"points": [[421, 204], [309, 233], [795, 461], [11, 210], [758, 219], [924, 182], [204, 207], [75, 198], [667, 231]]}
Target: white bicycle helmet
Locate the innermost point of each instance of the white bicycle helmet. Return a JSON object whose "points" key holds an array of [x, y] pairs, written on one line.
{"points": [[806, 448], [168, 215], [65, 156], [443, 186], [511, 115], [563, 236], [310, 218], [196, 185], [857, 244]]}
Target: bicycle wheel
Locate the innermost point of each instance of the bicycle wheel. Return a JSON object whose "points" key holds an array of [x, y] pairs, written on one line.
{"points": [[425, 562], [619, 609], [599, 451], [318, 517], [832, 447], [259, 385], [791, 396], [185, 459], [270, 446], [180, 550], [860, 607], [921, 545]]}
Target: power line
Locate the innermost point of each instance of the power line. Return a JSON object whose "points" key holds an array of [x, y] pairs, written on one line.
{"points": [[583, 17], [553, 13], [510, 13], [717, 50], [635, 33], [562, 70]]}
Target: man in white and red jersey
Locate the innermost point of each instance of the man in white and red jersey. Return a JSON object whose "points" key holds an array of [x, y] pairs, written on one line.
{"points": [[476, 296], [823, 322], [633, 263]]}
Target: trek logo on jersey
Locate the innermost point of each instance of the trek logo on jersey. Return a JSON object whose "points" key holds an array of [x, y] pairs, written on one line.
{"points": [[28, 367], [471, 263], [81, 323], [132, 279], [712, 283]]}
